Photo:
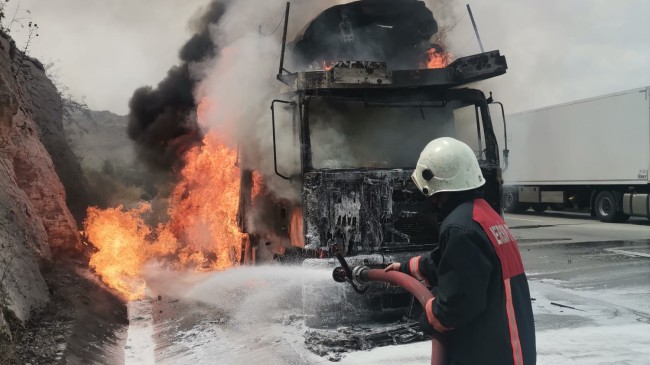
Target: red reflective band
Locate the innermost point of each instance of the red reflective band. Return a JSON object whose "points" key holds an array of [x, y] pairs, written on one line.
{"points": [[512, 325], [502, 239], [414, 266], [431, 318]]}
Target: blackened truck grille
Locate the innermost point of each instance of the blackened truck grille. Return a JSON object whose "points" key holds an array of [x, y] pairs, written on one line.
{"points": [[366, 211], [412, 218]]}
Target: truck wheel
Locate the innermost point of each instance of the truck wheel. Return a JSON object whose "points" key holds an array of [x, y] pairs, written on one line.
{"points": [[511, 202], [539, 207], [557, 207], [606, 207]]}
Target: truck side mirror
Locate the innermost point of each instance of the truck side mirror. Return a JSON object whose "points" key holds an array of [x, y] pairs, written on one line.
{"points": [[506, 151], [275, 157]]}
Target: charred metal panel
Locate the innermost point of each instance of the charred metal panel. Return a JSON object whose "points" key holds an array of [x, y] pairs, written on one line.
{"points": [[345, 74], [333, 343], [367, 211], [361, 73], [373, 75]]}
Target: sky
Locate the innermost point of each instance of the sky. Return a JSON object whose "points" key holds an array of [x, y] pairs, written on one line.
{"points": [[557, 50]]}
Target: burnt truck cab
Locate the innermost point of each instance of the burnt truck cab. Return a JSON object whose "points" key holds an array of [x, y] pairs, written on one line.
{"points": [[346, 138], [360, 128]]}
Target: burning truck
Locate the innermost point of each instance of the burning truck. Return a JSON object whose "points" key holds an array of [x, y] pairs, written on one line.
{"points": [[369, 92]]}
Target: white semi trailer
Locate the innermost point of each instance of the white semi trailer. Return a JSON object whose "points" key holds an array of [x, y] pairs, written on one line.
{"points": [[588, 154]]}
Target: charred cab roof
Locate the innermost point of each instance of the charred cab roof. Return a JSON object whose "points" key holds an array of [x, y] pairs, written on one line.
{"points": [[359, 75]]}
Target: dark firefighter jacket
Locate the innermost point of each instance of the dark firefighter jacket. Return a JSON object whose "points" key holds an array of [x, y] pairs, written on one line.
{"points": [[482, 304]]}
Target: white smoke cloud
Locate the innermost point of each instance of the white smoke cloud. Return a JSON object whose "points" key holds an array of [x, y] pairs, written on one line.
{"points": [[241, 84]]}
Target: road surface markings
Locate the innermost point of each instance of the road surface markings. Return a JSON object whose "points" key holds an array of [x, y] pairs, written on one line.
{"points": [[627, 253], [522, 219], [140, 346]]}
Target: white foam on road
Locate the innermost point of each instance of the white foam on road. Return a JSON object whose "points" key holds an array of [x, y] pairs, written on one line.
{"points": [[140, 346], [605, 326], [597, 345], [256, 294], [236, 316], [613, 330], [624, 344]]}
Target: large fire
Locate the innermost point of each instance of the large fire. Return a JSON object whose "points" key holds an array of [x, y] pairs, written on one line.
{"points": [[203, 207], [124, 245], [201, 231]]}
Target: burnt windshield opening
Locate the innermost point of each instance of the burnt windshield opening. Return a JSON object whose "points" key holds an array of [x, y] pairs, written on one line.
{"points": [[361, 133]]}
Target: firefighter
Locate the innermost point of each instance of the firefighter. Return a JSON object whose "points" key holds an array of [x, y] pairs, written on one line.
{"points": [[481, 307]]}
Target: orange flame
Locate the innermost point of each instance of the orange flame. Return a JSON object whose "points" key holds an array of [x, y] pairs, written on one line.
{"points": [[123, 246], [328, 65], [295, 229], [204, 204], [258, 183], [437, 59], [201, 232]]}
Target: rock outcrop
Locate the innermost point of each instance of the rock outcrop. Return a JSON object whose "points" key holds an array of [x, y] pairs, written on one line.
{"points": [[34, 217], [45, 107]]}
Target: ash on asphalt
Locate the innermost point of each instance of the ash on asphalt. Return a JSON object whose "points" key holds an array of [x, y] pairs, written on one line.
{"points": [[332, 344], [83, 324]]}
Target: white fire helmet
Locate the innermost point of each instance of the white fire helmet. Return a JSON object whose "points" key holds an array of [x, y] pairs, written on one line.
{"points": [[446, 165]]}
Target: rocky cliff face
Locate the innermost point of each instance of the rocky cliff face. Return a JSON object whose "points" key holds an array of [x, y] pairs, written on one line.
{"points": [[34, 217], [45, 107]]}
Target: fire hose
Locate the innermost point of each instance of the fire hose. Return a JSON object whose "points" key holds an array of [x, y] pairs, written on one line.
{"points": [[360, 275]]}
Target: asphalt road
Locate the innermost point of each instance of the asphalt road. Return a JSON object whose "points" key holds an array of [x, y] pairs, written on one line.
{"points": [[590, 283], [575, 227], [583, 252]]}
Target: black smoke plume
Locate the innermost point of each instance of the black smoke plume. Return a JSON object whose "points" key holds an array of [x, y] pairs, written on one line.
{"points": [[161, 119]]}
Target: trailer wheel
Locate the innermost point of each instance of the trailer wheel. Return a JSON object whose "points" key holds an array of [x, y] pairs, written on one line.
{"points": [[539, 207], [511, 202], [606, 208]]}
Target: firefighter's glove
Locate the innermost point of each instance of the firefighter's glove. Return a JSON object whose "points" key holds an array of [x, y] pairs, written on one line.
{"points": [[429, 323]]}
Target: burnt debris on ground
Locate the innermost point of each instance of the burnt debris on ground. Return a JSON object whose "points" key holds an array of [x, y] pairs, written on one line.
{"points": [[83, 323], [333, 343]]}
